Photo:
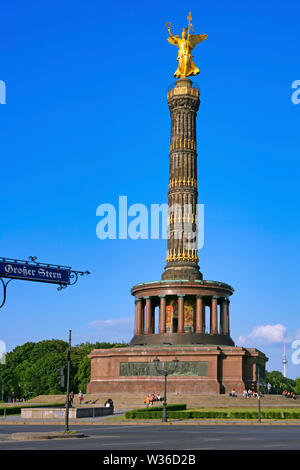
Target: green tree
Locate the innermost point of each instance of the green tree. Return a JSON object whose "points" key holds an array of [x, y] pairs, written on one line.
{"points": [[32, 369], [83, 374], [297, 386], [279, 382]]}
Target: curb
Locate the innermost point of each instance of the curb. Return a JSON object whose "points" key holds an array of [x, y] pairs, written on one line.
{"points": [[219, 422], [32, 436]]}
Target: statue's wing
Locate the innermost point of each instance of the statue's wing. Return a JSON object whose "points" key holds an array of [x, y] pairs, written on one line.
{"points": [[196, 38], [173, 40]]}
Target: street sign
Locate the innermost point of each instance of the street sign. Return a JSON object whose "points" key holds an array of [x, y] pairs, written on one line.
{"points": [[34, 272], [12, 269]]}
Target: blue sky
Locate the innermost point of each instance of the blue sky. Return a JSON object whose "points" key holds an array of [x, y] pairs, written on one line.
{"points": [[86, 120]]}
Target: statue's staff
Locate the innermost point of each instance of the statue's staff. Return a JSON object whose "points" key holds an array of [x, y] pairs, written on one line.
{"points": [[190, 24]]}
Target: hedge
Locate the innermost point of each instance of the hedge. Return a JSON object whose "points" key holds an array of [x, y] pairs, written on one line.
{"points": [[151, 412], [195, 414]]}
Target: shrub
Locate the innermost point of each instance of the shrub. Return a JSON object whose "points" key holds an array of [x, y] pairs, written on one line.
{"points": [[141, 413], [291, 414], [212, 414]]}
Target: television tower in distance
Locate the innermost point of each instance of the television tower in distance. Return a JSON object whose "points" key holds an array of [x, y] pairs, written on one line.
{"points": [[284, 361]]}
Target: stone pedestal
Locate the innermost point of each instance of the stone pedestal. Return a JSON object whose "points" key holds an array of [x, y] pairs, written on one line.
{"points": [[201, 369]]}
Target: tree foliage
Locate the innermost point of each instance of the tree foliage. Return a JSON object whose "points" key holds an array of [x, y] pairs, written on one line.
{"points": [[279, 382], [32, 369], [297, 386]]}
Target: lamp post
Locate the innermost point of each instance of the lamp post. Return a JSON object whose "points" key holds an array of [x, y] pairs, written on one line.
{"points": [[165, 372], [258, 396], [68, 386]]}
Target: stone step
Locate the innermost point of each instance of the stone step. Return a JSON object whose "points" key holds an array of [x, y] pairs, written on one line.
{"points": [[137, 400]]}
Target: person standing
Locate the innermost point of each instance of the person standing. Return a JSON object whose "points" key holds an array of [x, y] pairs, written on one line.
{"points": [[80, 396], [147, 401]]}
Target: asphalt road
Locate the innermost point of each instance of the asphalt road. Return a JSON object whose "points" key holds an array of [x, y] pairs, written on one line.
{"points": [[159, 437]]}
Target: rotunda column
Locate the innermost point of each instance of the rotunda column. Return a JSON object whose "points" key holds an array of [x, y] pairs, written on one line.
{"points": [[199, 314], [148, 316], [180, 314], [135, 317], [162, 314], [214, 316], [139, 314]]}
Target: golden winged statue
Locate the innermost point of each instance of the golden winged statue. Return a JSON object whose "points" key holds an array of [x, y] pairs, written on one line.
{"points": [[185, 44]]}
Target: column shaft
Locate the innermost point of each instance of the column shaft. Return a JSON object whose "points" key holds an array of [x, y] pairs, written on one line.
{"points": [[214, 316], [225, 317], [199, 314], [162, 315], [139, 313], [181, 254], [135, 318], [180, 314], [148, 316]]}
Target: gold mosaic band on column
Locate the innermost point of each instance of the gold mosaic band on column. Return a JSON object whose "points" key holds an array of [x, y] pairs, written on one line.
{"points": [[179, 143], [177, 219], [182, 255], [177, 182]]}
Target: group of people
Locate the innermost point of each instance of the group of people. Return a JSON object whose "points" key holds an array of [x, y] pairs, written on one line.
{"points": [[287, 394], [108, 403], [16, 400], [250, 393], [246, 393], [150, 399], [71, 398]]}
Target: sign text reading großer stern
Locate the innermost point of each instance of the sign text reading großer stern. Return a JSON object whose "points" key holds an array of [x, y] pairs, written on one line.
{"points": [[33, 272]]}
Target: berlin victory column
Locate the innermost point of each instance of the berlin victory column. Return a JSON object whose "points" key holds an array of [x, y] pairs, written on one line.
{"points": [[193, 313]]}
